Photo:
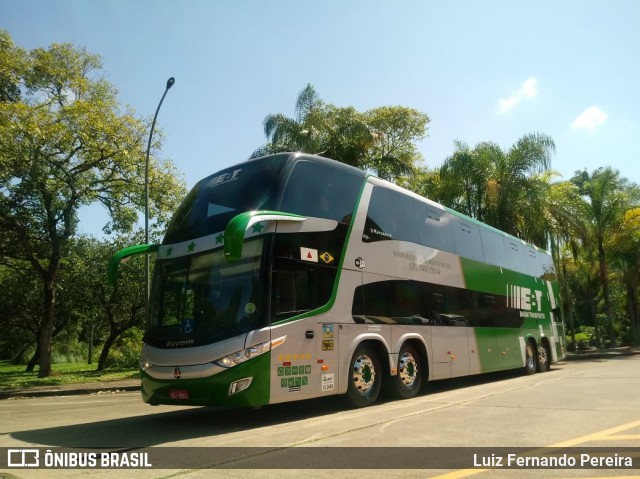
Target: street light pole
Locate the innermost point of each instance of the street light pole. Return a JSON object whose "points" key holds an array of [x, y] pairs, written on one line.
{"points": [[170, 83]]}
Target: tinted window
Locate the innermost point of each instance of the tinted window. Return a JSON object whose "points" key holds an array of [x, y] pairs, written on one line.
{"points": [[390, 216], [434, 228], [411, 302], [321, 191], [534, 262], [215, 200], [493, 246], [466, 238], [300, 286], [199, 299], [514, 255]]}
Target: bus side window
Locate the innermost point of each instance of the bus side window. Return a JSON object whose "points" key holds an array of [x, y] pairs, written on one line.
{"points": [[466, 237], [433, 227], [299, 287], [390, 216], [291, 292]]}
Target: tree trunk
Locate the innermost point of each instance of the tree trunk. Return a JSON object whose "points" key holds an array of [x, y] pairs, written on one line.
{"points": [[604, 277], [104, 355], [633, 311], [18, 358], [594, 316], [46, 327], [36, 356]]}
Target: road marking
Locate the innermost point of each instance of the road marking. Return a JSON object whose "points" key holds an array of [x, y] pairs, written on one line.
{"points": [[604, 435]]}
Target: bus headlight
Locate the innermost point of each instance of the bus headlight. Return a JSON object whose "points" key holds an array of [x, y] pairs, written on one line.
{"points": [[241, 356], [144, 364]]}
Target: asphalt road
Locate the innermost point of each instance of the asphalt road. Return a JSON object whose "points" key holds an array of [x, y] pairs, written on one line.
{"points": [[590, 403]]}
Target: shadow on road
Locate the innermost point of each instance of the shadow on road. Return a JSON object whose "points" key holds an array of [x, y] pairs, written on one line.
{"points": [[192, 423]]}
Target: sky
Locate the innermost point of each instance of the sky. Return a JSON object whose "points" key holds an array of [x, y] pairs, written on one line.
{"points": [[481, 70]]}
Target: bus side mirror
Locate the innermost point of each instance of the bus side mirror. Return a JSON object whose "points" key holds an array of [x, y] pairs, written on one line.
{"points": [[236, 228], [124, 255]]}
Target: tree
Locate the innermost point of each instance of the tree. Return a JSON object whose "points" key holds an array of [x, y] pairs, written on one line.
{"points": [[381, 140], [12, 67], [109, 310], [302, 133], [63, 145], [606, 200], [505, 189], [20, 309], [626, 255]]}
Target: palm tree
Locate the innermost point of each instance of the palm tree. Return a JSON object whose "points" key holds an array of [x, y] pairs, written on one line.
{"points": [[304, 133], [380, 140], [465, 177], [512, 177], [501, 187], [605, 204], [625, 253]]}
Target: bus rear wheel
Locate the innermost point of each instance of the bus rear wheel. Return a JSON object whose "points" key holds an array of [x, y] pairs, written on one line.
{"points": [[531, 358], [544, 358], [365, 377], [406, 384]]}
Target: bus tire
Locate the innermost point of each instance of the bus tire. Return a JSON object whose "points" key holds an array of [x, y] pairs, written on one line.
{"points": [[365, 377], [406, 384], [531, 358], [544, 357]]}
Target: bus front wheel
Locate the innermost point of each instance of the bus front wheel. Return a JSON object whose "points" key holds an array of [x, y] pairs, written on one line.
{"points": [[365, 377]]}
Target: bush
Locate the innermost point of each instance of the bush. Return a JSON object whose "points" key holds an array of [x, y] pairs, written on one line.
{"points": [[69, 351], [125, 352]]}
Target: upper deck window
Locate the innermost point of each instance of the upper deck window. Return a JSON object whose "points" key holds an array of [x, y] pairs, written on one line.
{"points": [[321, 191], [216, 199], [390, 216]]}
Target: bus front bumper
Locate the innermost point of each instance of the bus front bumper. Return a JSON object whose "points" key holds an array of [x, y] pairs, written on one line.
{"points": [[244, 385]]}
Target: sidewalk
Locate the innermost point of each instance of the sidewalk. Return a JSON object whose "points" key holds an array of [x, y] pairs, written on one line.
{"points": [[603, 353], [106, 387], [103, 387]]}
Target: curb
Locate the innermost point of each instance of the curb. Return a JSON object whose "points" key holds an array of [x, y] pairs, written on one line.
{"points": [[36, 392]]}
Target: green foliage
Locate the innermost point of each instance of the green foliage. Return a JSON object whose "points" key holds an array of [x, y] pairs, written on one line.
{"points": [[125, 353], [66, 143], [70, 350], [505, 189], [382, 140]]}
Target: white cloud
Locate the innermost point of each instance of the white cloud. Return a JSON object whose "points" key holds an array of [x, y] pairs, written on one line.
{"points": [[528, 89], [590, 119]]}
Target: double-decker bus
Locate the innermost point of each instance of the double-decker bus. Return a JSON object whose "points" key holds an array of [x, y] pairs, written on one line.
{"points": [[293, 276]]}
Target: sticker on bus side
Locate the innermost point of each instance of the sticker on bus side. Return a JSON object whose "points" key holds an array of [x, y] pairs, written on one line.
{"points": [[328, 382]]}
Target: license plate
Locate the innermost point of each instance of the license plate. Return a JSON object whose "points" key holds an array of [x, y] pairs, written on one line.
{"points": [[179, 394]]}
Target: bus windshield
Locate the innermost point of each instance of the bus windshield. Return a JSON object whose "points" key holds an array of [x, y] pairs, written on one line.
{"points": [[212, 202], [199, 299]]}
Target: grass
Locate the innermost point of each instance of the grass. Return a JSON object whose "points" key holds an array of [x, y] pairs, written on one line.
{"points": [[14, 376]]}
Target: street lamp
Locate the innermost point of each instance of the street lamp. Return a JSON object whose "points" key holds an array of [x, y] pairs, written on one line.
{"points": [[170, 83]]}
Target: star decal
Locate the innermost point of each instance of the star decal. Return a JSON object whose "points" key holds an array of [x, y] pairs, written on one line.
{"points": [[219, 239], [169, 250], [257, 228], [191, 246]]}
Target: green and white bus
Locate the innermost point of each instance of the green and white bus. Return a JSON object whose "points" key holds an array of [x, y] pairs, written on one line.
{"points": [[293, 276]]}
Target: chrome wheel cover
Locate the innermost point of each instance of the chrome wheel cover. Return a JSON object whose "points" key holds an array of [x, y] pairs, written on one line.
{"points": [[363, 374], [407, 369]]}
